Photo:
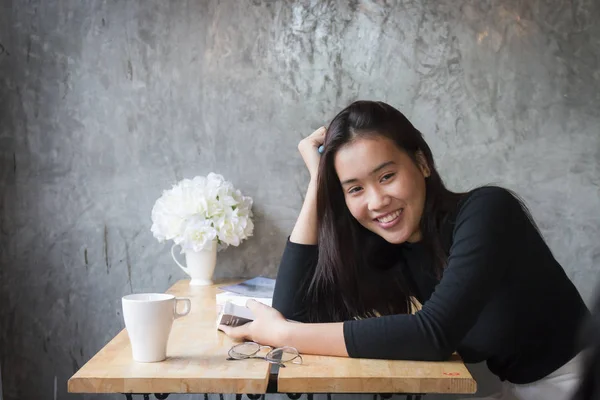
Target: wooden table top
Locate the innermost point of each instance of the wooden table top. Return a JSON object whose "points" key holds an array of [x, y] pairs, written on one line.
{"points": [[196, 364], [320, 374]]}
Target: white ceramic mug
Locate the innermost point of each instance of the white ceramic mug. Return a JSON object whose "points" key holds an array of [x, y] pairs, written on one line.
{"points": [[148, 319]]}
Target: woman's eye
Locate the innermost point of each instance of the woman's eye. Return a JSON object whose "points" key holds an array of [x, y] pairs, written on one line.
{"points": [[355, 189], [387, 176]]}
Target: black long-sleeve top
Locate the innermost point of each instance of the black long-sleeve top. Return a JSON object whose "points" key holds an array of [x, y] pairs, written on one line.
{"points": [[502, 296]]}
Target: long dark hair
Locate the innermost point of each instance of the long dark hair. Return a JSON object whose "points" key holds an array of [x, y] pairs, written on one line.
{"points": [[358, 273]]}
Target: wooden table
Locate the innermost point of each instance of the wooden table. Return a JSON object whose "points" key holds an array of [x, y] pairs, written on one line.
{"points": [[196, 363]]}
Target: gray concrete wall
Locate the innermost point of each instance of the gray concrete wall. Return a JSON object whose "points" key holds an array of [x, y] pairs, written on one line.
{"points": [[103, 104]]}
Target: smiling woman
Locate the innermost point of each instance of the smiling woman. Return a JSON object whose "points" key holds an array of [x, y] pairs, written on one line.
{"points": [[378, 227]]}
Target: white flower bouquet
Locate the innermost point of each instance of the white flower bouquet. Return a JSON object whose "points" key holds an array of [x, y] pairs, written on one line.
{"points": [[198, 211]]}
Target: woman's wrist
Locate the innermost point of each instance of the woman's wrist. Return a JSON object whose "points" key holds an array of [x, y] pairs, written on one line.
{"points": [[285, 334]]}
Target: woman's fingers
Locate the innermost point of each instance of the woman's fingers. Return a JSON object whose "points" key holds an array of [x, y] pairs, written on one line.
{"points": [[256, 306], [313, 140], [308, 148], [237, 332], [318, 136]]}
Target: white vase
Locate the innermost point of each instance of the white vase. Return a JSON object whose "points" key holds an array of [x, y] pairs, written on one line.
{"points": [[200, 265]]}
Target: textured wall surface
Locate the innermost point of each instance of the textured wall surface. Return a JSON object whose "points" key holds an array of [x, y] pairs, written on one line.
{"points": [[103, 104]]}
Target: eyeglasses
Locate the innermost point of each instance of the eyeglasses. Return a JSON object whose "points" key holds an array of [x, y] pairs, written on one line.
{"points": [[277, 356]]}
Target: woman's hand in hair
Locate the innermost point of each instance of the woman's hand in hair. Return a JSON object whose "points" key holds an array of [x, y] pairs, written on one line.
{"points": [[308, 148], [268, 328], [305, 230]]}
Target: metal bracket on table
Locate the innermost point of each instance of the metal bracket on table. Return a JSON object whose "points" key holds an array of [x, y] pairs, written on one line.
{"points": [[407, 396], [250, 396], [159, 396]]}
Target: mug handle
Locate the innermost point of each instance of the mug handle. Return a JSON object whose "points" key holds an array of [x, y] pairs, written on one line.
{"points": [[186, 309], [175, 259]]}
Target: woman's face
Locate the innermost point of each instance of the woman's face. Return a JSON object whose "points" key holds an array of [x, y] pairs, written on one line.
{"points": [[383, 187]]}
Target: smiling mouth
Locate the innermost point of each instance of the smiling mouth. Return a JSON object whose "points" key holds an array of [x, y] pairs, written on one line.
{"points": [[386, 219]]}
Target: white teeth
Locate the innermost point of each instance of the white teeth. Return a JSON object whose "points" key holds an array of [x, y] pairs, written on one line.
{"points": [[389, 217]]}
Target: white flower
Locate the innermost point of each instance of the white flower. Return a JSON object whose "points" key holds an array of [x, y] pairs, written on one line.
{"points": [[168, 222], [195, 212], [215, 209], [228, 231], [198, 235], [248, 228]]}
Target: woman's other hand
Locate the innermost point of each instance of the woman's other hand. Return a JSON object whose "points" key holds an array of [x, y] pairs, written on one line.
{"points": [[268, 328], [309, 147]]}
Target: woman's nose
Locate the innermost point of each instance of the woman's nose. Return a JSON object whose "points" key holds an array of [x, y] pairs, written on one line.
{"points": [[378, 200]]}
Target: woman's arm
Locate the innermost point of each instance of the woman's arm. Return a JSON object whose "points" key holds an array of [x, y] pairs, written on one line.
{"points": [[298, 262], [300, 255], [320, 339], [296, 269], [305, 230]]}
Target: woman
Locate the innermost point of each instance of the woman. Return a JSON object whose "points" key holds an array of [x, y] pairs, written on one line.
{"points": [[378, 227]]}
